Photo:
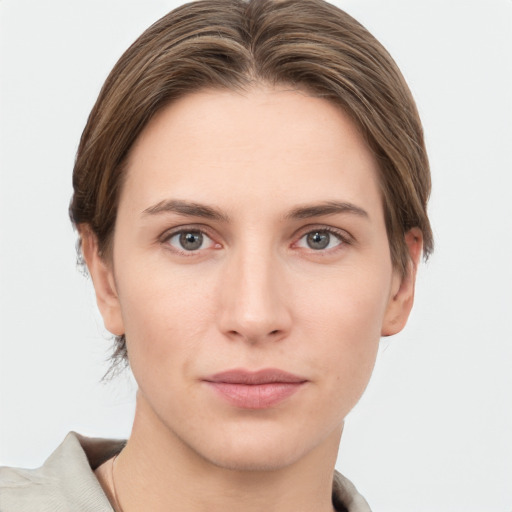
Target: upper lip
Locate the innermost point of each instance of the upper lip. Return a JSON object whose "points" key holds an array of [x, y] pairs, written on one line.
{"points": [[265, 376]]}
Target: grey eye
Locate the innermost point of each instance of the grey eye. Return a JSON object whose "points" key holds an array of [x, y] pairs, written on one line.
{"points": [[318, 240], [191, 240]]}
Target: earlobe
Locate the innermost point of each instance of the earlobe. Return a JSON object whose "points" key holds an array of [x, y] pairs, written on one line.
{"points": [[102, 276], [402, 295]]}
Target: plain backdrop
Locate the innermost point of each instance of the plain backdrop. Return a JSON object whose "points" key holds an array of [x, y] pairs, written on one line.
{"points": [[433, 431]]}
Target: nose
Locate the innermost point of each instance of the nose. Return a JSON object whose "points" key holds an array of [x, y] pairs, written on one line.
{"points": [[255, 301]]}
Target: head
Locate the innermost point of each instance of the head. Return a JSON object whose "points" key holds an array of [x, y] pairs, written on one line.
{"points": [[216, 115]]}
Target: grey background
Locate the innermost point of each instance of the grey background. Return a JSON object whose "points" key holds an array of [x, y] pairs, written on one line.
{"points": [[434, 429]]}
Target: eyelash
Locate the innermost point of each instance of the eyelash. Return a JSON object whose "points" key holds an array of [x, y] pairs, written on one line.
{"points": [[343, 237], [168, 235]]}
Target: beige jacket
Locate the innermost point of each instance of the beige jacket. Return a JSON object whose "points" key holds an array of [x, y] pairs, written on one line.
{"points": [[66, 482]]}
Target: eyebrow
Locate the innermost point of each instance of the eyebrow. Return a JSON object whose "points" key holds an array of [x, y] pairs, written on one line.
{"points": [[186, 208], [192, 209], [326, 208]]}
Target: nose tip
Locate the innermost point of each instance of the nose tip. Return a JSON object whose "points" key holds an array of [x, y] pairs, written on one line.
{"points": [[254, 305]]}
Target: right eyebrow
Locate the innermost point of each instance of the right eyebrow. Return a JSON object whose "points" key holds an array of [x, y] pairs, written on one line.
{"points": [[186, 208]]}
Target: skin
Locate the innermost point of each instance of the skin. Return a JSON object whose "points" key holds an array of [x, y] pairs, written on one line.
{"points": [[254, 295]]}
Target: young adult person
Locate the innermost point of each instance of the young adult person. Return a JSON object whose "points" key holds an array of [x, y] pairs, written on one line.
{"points": [[250, 194]]}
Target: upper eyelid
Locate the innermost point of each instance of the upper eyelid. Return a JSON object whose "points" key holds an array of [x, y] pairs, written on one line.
{"points": [[342, 241], [342, 233], [168, 233]]}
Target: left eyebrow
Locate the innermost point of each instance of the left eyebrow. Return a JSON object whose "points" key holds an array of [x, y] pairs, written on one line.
{"points": [[327, 208]]}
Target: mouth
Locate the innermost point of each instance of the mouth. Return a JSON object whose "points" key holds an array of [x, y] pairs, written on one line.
{"points": [[255, 390]]}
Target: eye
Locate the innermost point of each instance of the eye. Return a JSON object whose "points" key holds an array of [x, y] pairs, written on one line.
{"points": [[190, 240], [320, 239]]}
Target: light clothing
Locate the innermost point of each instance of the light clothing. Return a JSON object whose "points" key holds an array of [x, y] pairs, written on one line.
{"points": [[66, 481]]}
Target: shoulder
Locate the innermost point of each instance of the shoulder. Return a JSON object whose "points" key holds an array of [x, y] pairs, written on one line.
{"points": [[345, 496], [65, 481]]}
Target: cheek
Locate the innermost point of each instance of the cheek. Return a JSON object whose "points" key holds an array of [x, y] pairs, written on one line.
{"points": [[350, 301], [165, 314], [344, 319]]}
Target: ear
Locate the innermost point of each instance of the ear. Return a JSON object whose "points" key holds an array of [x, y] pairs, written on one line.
{"points": [[402, 290], [102, 274]]}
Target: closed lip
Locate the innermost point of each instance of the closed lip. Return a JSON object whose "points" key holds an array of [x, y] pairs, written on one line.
{"points": [[255, 378], [260, 389]]}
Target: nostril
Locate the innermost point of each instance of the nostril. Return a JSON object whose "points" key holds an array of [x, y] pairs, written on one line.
{"points": [[235, 333]]}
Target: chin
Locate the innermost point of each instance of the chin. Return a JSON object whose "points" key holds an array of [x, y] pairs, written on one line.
{"points": [[265, 448], [253, 456]]}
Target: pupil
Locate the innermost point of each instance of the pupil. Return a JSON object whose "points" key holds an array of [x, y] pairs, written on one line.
{"points": [[318, 240], [191, 240]]}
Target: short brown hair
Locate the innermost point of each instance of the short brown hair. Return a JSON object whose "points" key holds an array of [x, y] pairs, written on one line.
{"points": [[232, 44]]}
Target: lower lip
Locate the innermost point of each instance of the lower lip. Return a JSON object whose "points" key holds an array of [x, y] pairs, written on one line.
{"points": [[255, 396]]}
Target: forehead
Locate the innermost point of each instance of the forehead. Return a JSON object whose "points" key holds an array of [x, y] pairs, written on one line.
{"points": [[233, 147]]}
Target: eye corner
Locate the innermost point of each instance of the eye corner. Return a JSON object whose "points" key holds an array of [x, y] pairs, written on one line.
{"points": [[328, 239], [198, 239]]}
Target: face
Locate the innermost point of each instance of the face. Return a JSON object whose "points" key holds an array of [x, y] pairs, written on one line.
{"points": [[251, 274]]}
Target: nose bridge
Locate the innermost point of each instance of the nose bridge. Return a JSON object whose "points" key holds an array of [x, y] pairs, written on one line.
{"points": [[254, 306]]}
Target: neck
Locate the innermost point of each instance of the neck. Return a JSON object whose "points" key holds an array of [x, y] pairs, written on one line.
{"points": [[156, 471]]}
